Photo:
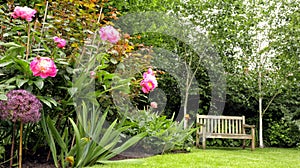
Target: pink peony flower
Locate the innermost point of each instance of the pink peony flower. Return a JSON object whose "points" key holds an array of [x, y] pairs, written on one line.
{"points": [[149, 72], [43, 67], [149, 83], [23, 13], [61, 43], [153, 104], [110, 34]]}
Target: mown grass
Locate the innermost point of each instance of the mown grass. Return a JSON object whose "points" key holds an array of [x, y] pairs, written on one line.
{"points": [[217, 157]]}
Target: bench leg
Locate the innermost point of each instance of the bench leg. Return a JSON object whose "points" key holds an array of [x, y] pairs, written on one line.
{"points": [[203, 143], [253, 139], [252, 144], [244, 143], [204, 138], [197, 140]]}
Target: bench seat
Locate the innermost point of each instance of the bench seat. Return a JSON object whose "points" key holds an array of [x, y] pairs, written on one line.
{"points": [[229, 136]]}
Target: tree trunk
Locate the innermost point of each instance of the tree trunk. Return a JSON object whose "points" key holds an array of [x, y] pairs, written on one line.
{"points": [[261, 143], [185, 122], [186, 97]]}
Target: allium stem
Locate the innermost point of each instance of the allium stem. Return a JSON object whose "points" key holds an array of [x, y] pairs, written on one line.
{"points": [[12, 146], [28, 41], [20, 146]]}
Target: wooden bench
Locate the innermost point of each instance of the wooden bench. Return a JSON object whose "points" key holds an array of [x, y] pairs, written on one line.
{"points": [[229, 127]]}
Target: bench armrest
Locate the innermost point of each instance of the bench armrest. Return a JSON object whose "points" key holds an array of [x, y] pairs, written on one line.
{"points": [[248, 126]]}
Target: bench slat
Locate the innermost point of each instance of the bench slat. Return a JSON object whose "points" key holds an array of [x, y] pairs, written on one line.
{"points": [[240, 127], [219, 126], [229, 126], [226, 130], [215, 125]]}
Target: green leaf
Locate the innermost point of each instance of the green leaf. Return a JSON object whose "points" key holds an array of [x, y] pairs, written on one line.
{"points": [[61, 61], [9, 44], [56, 135], [21, 82], [8, 87], [39, 84], [108, 135], [108, 76], [3, 97], [14, 49], [97, 124], [51, 100], [72, 91], [102, 66], [45, 46], [23, 65], [77, 138], [113, 60], [45, 101], [11, 80], [3, 64], [50, 140], [133, 140]]}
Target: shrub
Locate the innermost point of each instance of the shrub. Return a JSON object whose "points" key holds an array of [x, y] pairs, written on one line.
{"points": [[283, 134], [163, 134]]}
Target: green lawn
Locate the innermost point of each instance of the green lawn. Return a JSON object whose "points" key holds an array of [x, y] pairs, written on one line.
{"points": [[220, 157]]}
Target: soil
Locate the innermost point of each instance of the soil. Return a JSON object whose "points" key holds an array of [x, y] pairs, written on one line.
{"points": [[31, 160], [37, 165], [32, 164], [39, 160]]}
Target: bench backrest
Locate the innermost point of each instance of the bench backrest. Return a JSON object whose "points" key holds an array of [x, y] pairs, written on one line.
{"points": [[222, 124]]}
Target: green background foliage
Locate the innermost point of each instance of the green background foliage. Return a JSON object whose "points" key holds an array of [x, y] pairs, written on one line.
{"points": [[231, 26]]}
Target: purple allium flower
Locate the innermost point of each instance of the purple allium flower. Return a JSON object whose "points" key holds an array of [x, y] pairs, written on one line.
{"points": [[20, 106]]}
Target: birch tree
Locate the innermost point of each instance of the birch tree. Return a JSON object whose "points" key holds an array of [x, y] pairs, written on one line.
{"points": [[244, 33]]}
